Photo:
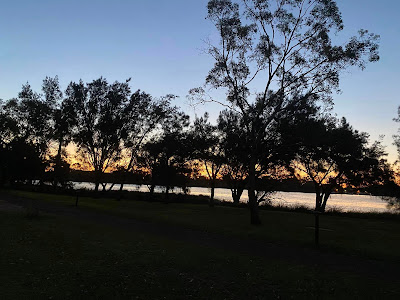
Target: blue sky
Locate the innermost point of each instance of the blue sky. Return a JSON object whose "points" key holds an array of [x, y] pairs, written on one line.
{"points": [[159, 44]]}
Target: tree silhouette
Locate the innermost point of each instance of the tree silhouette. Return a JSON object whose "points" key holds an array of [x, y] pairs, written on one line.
{"points": [[144, 115], [397, 137], [63, 117], [235, 168], [390, 190], [23, 162], [285, 46], [206, 143], [8, 125], [333, 154], [33, 118], [101, 110], [20, 159], [36, 120], [8, 132], [167, 155]]}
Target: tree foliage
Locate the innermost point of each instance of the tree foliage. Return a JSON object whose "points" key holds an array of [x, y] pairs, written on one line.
{"points": [[144, 117], [166, 156], [332, 154], [285, 47], [207, 148], [235, 168], [101, 111]]}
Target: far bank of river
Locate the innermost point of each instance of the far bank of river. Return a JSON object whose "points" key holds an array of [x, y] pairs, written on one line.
{"points": [[345, 202]]}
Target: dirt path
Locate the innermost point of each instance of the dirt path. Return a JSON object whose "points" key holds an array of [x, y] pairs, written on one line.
{"points": [[302, 255]]}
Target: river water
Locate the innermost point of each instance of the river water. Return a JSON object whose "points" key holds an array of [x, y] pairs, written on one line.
{"points": [[344, 202]]}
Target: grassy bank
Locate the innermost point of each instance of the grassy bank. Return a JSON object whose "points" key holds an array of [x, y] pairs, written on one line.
{"points": [[377, 238], [53, 257]]}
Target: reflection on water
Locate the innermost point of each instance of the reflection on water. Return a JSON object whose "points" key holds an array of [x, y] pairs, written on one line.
{"points": [[361, 203]]}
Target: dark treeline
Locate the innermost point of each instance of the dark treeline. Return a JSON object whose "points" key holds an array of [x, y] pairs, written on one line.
{"points": [[124, 137], [283, 131]]}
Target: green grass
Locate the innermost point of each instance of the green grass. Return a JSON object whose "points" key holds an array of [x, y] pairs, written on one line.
{"points": [[53, 257], [375, 238]]}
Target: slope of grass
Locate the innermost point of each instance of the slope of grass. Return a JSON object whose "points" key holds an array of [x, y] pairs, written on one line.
{"points": [[53, 257], [376, 238]]}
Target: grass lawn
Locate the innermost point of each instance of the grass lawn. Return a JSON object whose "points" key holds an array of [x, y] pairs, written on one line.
{"points": [[56, 257], [377, 238]]}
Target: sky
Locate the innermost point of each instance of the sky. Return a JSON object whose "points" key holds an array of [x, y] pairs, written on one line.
{"points": [[160, 45]]}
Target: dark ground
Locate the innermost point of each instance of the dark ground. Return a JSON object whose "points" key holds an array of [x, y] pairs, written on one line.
{"points": [[329, 260]]}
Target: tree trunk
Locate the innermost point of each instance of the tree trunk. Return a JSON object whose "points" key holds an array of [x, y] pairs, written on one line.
{"points": [[152, 187], [320, 204], [254, 214], [236, 195], [123, 179], [318, 201], [111, 186], [318, 197], [211, 203], [58, 164], [124, 175], [253, 204], [121, 187], [325, 200], [96, 181], [234, 192], [96, 186], [166, 194]]}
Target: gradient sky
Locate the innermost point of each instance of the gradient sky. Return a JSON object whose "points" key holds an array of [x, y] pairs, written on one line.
{"points": [[159, 44]]}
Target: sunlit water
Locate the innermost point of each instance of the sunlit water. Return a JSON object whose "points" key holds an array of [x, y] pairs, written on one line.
{"points": [[344, 202]]}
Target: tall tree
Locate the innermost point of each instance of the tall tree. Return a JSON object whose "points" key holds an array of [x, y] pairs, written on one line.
{"points": [[167, 155], [206, 142], [101, 126], [42, 119], [33, 115], [144, 117], [20, 158], [35, 119], [332, 153], [63, 119], [8, 132], [286, 47], [233, 144], [8, 123], [22, 162]]}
